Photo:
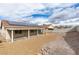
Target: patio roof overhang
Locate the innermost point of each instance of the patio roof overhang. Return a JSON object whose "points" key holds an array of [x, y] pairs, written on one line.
{"points": [[23, 28]]}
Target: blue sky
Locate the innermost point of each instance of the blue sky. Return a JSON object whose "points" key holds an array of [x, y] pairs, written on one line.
{"points": [[40, 12]]}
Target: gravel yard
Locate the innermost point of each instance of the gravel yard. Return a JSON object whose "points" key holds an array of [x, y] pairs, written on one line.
{"points": [[57, 47]]}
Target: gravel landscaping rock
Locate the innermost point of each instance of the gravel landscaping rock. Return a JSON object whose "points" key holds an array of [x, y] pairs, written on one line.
{"points": [[57, 47]]}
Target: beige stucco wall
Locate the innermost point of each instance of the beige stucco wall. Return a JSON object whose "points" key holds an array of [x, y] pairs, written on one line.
{"points": [[5, 33], [0, 23], [8, 34]]}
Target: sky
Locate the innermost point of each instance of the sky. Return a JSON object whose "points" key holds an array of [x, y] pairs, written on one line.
{"points": [[40, 13]]}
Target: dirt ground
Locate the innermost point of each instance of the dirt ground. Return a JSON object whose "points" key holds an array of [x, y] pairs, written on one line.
{"points": [[68, 45], [31, 46]]}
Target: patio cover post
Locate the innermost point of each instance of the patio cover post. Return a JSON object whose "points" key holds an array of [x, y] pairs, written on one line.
{"points": [[6, 35], [12, 37], [37, 32], [28, 34]]}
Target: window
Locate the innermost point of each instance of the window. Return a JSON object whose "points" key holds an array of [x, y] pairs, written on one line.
{"points": [[18, 31]]}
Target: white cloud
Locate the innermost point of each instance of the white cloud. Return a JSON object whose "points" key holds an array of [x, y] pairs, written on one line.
{"points": [[54, 5], [62, 12], [40, 21], [18, 10], [67, 14]]}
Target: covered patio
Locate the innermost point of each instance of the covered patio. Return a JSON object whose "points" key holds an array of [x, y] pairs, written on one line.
{"points": [[18, 32]]}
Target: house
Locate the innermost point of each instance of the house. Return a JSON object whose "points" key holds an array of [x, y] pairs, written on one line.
{"points": [[49, 27], [11, 30]]}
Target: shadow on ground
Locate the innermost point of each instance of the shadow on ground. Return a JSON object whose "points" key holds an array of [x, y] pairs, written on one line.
{"points": [[72, 38]]}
